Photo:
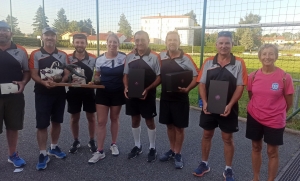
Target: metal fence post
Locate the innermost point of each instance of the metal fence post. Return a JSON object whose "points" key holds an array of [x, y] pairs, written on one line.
{"points": [[296, 98]]}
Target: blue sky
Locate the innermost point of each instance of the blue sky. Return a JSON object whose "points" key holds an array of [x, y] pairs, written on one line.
{"points": [[219, 12]]}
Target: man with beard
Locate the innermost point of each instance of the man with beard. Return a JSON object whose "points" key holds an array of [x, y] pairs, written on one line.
{"points": [[82, 97], [49, 100], [13, 69]]}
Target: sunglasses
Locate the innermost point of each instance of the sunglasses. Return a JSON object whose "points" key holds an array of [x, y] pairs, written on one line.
{"points": [[225, 33]]}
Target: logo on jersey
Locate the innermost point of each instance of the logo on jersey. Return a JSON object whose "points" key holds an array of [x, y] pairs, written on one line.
{"points": [[120, 61], [275, 87]]}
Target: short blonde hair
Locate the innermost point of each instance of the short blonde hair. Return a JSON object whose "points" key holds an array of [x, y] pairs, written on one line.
{"points": [[268, 45], [174, 33]]}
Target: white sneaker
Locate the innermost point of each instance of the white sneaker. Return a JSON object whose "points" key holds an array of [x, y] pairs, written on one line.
{"points": [[114, 150], [96, 157]]}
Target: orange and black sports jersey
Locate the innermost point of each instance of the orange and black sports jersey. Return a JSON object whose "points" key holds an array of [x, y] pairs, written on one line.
{"points": [[170, 65], [235, 73], [13, 62], [40, 59]]}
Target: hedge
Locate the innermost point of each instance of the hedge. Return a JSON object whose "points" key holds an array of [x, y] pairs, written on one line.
{"points": [[27, 41]]}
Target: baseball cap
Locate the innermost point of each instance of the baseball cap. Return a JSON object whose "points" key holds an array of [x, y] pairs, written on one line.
{"points": [[48, 29], [3, 24], [225, 33]]}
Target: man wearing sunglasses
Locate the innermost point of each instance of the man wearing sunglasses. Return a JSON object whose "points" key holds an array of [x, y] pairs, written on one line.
{"points": [[224, 66], [14, 72]]}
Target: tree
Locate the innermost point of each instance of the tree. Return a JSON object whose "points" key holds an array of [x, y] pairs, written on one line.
{"points": [[256, 33], [74, 26], [210, 39], [124, 26], [61, 24], [197, 32], [40, 22], [15, 29], [288, 35], [85, 26], [246, 40]]}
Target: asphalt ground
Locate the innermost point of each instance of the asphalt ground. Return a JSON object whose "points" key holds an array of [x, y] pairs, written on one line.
{"points": [[76, 167]]}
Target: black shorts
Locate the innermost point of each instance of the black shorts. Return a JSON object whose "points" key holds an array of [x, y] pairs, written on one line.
{"points": [[85, 99], [229, 124], [110, 98], [174, 112], [49, 108], [12, 111], [256, 131], [146, 108]]}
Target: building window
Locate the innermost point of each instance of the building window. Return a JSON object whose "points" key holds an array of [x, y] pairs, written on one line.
{"points": [[181, 21], [145, 21]]}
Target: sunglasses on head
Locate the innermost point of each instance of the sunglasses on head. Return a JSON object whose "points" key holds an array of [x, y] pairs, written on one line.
{"points": [[225, 33]]}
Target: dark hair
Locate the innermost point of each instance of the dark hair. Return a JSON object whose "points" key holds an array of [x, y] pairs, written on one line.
{"points": [[141, 32], [114, 36], [79, 36], [173, 32]]}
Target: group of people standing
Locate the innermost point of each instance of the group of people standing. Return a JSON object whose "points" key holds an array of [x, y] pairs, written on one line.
{"points": [[270, 92]]}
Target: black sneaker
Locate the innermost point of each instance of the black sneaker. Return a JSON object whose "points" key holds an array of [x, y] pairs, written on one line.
{"points": [[74, 147], [92, 145], [152, 155], [135, 152]]}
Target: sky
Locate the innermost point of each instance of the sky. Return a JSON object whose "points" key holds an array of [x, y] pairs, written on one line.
{"points": [[219, 12]]}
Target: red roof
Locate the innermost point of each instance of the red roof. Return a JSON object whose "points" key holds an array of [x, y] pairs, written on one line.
{"points": [[129, 40], [102, 36]]}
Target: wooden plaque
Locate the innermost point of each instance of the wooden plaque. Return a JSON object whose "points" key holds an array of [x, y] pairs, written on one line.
{"points": [[79, 85]]}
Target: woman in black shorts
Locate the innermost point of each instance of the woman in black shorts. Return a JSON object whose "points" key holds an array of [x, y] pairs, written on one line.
{"points": [[109, 68]]}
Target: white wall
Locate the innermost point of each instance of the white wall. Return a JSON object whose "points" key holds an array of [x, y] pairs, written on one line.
{"points": [[159, 27]]}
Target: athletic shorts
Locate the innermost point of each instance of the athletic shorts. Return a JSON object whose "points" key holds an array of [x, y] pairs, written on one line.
{"points": [[85, 99], [256, 131], [12, 111], [49, 108], [110, 98], [174, 112], [227, 124], [146, 108]]}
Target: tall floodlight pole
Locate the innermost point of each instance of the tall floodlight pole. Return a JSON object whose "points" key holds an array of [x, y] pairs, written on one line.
{"points": [[97, 10], [11, 25], [203, 33], [44, 18]]}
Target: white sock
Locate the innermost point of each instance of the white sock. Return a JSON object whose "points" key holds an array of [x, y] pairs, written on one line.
{"points": [[228, 167], [43, 152], [206, 162], [152, 137], [53, 146], [136, 136]]}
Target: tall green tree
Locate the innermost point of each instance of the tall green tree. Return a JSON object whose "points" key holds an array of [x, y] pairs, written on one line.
{"points": [[246, 39], [61, 24], [124, 26], [85, 26], [256, 33], [197, 32], [15, 28], [40, 21], [74, 26]]}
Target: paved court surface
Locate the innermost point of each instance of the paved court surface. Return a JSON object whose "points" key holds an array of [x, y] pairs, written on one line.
{"points": [[76, 167]]}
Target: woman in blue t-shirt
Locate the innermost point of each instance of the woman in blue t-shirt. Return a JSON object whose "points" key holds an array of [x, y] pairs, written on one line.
{"points": [[109, 68]]}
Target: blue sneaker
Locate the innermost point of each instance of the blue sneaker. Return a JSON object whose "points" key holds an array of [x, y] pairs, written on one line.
{"points": [[178, 161], [16, 160], [201, 170], [228, 175], [56, 152], [42, 164], [167, 156]]}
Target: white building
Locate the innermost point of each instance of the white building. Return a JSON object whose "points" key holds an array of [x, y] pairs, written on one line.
{"points": [[158, 26]]}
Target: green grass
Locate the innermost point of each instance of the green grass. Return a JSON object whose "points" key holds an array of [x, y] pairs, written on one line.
{"points": [[289, 64]]}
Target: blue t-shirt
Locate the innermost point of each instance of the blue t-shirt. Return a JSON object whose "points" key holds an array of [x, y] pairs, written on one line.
{"points": [[111, 71]]}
